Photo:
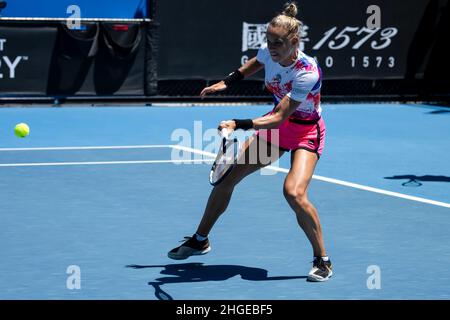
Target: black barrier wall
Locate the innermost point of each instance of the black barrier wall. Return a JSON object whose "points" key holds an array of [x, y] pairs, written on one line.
{"points": [[210, 38], [186, 45], [25, 57], [49, 59], [406, 57]]}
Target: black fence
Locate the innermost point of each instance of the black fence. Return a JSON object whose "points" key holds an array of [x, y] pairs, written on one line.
{"points": [[184, 45], [50, 59]]}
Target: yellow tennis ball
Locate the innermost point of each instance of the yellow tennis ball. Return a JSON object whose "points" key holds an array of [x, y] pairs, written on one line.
{"points": [[22, 130]]}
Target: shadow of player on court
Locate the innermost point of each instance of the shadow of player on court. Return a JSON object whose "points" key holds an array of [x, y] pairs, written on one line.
{"points": [[415, 181], [197, 272], [440, 111]]}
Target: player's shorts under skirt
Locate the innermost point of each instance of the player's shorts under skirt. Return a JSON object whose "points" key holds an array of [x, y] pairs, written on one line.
{"points": [[296, 134]]}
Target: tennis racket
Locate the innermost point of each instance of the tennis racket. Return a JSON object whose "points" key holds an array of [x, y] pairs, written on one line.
{"points": [[225, 160]]}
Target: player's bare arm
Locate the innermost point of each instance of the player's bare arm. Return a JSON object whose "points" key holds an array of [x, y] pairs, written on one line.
{"points": [[250, 67], [283, 110]]}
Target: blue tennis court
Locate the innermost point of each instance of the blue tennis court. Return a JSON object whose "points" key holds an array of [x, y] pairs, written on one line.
{"points": [[100, 189]]}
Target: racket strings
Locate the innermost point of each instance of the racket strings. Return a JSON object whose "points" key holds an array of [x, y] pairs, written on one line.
{"points": [[225, 160], [228, 155]]}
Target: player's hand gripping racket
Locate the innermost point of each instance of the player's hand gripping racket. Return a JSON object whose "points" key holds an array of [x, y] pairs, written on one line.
{"points": [[226, 158]]}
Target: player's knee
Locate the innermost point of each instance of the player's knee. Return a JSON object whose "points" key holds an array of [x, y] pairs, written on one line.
{"points": [[236, 176], [227, 185], [293, 193], [231, 181]]}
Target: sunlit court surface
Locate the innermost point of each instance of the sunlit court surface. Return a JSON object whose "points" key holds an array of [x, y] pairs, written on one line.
{"points": [[224, 159], [94, 198]]}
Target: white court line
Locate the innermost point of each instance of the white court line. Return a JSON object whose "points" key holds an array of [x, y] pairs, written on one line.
{"points": [[339, 182], [84, 163], [209, 154], [371, 189], [204, 153], [89, 148]]}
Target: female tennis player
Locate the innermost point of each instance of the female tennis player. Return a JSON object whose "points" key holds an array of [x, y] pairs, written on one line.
{"points": [[295, 81]]}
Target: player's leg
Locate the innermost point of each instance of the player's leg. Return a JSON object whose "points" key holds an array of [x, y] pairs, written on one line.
{"points": [[303, 163], [252, 158], [249, 162], [295, 188]]}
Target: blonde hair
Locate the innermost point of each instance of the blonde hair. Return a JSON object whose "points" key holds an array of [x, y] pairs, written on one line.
{"points": [[287, 19]]}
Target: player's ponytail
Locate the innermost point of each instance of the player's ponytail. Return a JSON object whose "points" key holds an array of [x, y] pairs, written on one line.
{"points": [[287, 19], [290, 9]]}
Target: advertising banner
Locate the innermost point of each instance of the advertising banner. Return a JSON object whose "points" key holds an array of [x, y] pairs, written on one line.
{"points": [[363, 39]]}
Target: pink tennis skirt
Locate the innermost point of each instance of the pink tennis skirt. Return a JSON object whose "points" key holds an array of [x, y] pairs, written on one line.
{"points": [[296, 134]]}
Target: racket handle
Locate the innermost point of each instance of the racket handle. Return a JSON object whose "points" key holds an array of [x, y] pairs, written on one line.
{"points": [[225, 133]]}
